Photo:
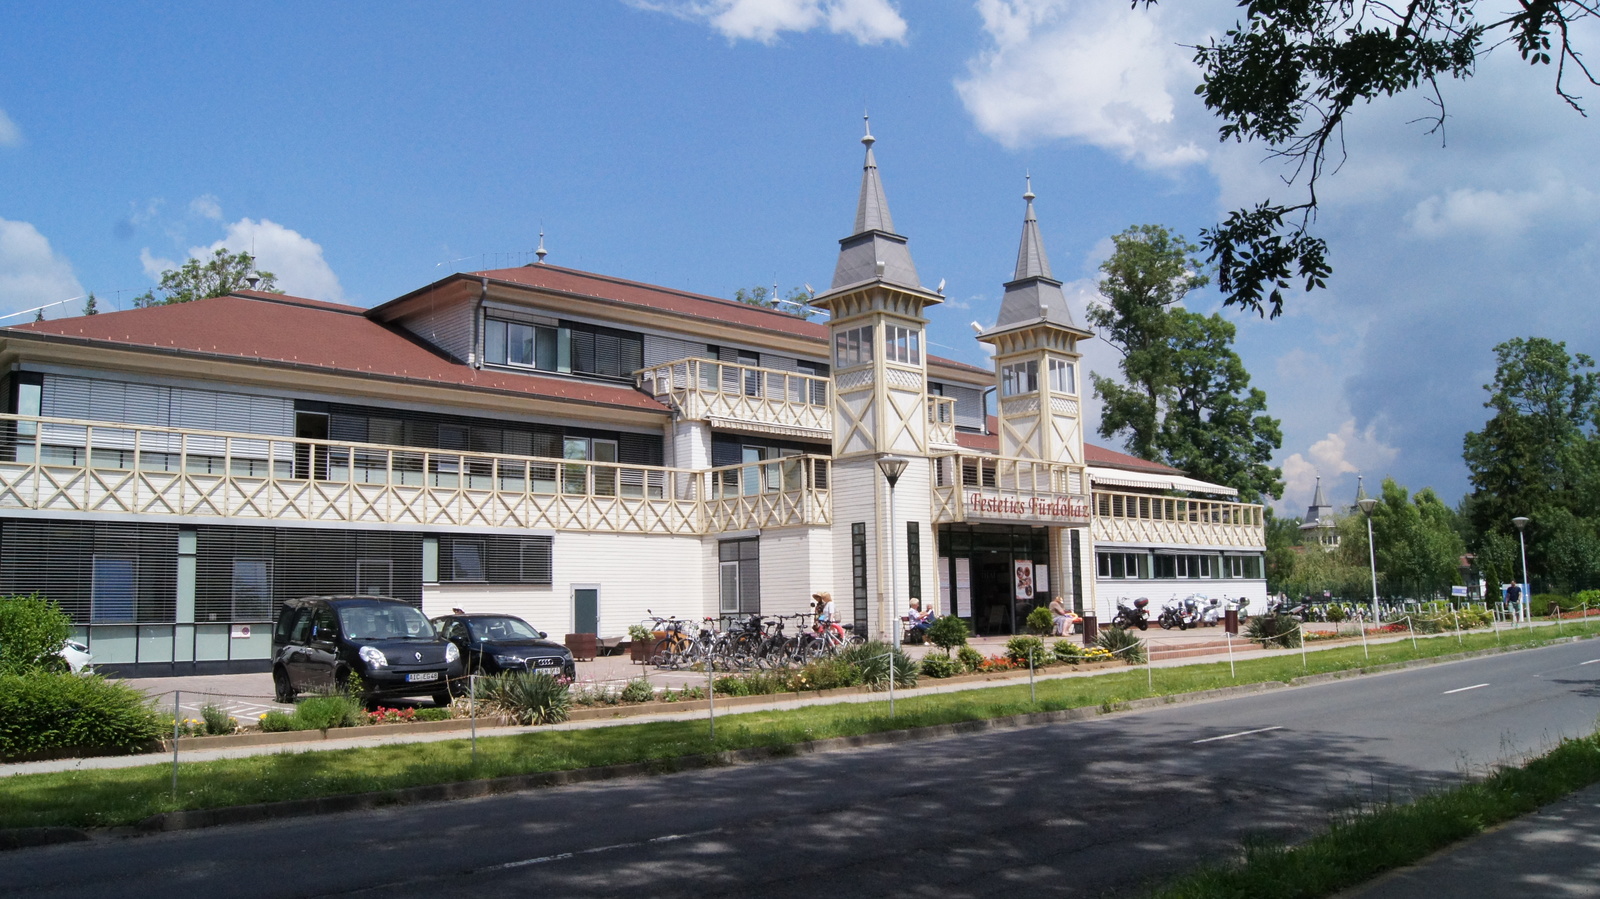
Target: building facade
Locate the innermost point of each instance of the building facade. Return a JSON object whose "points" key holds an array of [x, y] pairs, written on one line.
{"points": [[581, 451]]}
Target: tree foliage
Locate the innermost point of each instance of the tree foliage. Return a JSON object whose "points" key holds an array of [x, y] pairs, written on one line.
{"points": [[1292, 72], [1187, 401], [218, 276], [794, 303], [32, 630], [1538, 456]]}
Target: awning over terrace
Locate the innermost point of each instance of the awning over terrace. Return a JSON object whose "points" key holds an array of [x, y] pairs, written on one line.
{"points": [[1117, 477]]}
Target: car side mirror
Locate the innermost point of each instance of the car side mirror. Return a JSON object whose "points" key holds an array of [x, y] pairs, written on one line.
{"points": [[543, 635]]}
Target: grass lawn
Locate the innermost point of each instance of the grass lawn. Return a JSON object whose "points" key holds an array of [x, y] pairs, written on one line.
{"points": [[1358, 847], [128, 795]]}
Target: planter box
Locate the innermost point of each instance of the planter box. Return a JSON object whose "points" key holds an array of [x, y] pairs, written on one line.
{"points": [[582, 646]]}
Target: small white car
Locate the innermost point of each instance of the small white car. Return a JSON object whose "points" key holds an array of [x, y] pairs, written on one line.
{"points": [[76, 655]]}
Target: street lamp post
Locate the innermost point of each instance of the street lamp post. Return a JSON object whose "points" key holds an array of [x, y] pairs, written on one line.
{"points": [[1521, 521], [1367, 504], [892, 467]]}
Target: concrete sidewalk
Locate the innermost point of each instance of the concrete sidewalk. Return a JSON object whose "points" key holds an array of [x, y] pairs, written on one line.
{"points": [[1553, 852]]}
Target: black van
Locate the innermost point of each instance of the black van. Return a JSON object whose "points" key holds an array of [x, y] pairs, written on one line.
{"points": [[320, 641]]}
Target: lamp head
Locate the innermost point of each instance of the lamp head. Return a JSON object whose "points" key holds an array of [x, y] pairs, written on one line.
{"points": [[1367, 504], [1521, 521], [893, 467]]}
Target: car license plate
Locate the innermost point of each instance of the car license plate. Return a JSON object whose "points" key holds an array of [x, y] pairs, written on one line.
{"points": [[421, 676]]}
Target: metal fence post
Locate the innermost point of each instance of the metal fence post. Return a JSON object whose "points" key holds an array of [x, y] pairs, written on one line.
{"points": [[1033, 695], [711, 699], [472, 705], [177, 716], [891, 683]]}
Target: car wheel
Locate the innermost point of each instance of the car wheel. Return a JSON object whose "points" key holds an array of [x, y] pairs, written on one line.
{"points": [[282, 690], [442, 699]]}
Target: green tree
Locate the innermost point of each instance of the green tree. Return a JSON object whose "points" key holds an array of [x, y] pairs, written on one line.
{"points": [[32, 630], [1537, 455], [1418, 548], [795, 303], [1283, 541], [1187, 400], [218, 276], [90, 307], [1291, 74]]}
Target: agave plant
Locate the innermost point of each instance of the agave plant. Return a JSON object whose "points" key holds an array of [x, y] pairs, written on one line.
{"points": [[528, 697]]}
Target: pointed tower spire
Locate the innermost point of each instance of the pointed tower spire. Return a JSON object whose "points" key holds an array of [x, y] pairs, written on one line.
{"points": [[874, 251], [1032, 295], [541, 252]]}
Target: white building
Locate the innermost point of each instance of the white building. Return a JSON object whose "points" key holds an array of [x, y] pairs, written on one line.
{"points": [[577, 450]]}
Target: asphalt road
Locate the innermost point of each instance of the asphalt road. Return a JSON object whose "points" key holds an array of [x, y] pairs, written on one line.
{"points": [[1082, 809]]}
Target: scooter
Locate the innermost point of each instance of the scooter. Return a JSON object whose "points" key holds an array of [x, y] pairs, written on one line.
{"points": [[1211, 613], [1132, 616]]}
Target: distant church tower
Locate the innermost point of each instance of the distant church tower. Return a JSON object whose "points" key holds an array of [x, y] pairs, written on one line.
{"points": [[1320, 527], [1039, 408], [880, 408]]}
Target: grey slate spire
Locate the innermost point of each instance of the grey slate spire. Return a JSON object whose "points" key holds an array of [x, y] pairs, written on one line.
{"points": [[1319, 506], [1032, 295], [874, 251]]}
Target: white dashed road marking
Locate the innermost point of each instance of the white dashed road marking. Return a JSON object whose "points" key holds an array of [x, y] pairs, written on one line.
{"points": [[1242, 733], [1462, 689]]}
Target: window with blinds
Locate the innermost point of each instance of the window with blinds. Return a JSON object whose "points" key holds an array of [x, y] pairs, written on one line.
{"points": [[106, 572], [496, 559], [739, 567], [242, 573]]}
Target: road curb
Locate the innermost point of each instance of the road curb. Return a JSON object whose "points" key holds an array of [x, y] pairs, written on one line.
{"points": [[192, 819]]}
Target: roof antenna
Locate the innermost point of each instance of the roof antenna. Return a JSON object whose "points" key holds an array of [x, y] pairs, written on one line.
{"points": [[541, 252]]}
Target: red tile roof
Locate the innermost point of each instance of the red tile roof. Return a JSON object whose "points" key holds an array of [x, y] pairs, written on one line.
{"points": [[635, 293], [1098, 456], [304, 333]]}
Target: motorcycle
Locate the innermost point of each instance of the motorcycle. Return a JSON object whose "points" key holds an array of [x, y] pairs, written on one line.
{"points": [[1211, 613], [1180, 613], [1132, 616]]}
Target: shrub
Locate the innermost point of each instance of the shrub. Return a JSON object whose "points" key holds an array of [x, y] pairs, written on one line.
{"points": [[638, 690], [872, 660], [1020, 649], [1123, 643], [324, 712], [638, 633], [276, 722], [432, 714], [940, 666], [1542, 603], [1274, 630], [825, 674], [1040, 621], [1586, 599], [43, 712], [1067, 651], [217, 720], [968, 658], [32, 629], [528, 697], [948, 632]]}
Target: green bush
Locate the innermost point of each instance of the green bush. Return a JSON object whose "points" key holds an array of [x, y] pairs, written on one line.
{"points": [[217, 720], [825, 674], [968, 658], [1585, 599], [1067, 651], [432, 715], [1274, 630], [638, 690], [1040, 621], [1541, 603], [1123, 642], [32, 629], [324, 712], [1021, 649], [938, 666], [872, 660], [42, 712], [275, 722], [948, 632], [528, 697]]}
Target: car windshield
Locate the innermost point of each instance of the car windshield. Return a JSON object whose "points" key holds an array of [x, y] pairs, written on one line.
{"points": [[384, 622], [504, 628]]}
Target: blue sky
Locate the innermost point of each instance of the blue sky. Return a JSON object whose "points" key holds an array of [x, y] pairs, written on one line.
{"points": [[712, 144]]}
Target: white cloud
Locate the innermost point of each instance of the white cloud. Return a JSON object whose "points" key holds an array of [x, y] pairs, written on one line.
{"points": [[154, 265], [10, 134], [866, 21], [1096, 73], [294, 259], [1498, 213], [206, 206], [31, 272], [1341, 452]]}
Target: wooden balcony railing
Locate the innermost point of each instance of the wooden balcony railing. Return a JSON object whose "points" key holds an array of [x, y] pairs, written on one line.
{"points": [[941, 421], [782, 492], [77, 467], [957, 474], [1142, 518], [707, 390]]}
